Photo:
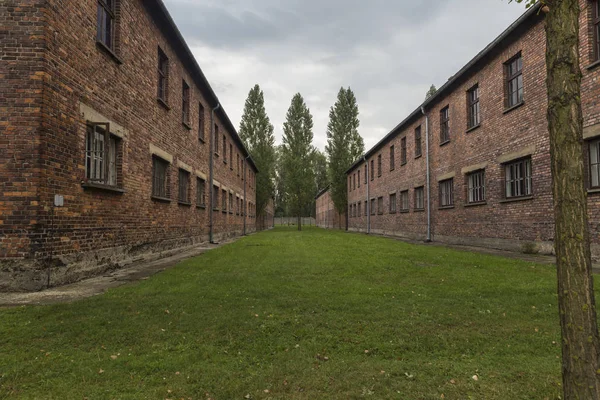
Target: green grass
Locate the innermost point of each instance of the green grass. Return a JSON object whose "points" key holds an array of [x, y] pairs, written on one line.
{"points": [[395, 321]]}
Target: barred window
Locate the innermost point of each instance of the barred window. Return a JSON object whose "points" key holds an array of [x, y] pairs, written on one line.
{"points": [[373, 207], [184, 186], [419, 198], [447, 193], [418, 150], [163, 75], [185, 102], [230, 156], [366, 175], [215, 196], [358, 180], [200, 192], [372, 169], [160, 169], [359, 209], [594, 163], [105, 32], [514, 81], [476, 187], [596, 29], [473, 107], [231, 202], [224, 200], [404, 201], [392, 203], [216, 138], [380, 205], [403, 150], [224, 149], [392, 158], [200, 122], [379, 165], [445, 125], [518, 178], [101, 153]]}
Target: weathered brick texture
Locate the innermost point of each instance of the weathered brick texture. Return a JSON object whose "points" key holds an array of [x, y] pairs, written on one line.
{"points": [[518, 225], [54, 75], [326, 214]]}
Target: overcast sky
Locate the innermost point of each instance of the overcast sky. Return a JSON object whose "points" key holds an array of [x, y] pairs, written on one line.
{"points": [[388, 52]]}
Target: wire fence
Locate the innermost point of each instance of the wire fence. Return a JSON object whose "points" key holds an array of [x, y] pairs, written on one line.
{"points": [[293, 221]]}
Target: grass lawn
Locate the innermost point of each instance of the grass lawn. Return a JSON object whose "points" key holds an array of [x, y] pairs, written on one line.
{"points": [[290, 315]]}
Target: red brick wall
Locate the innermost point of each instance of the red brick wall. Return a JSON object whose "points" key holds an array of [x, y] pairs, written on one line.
{"points": [[524, 129], [326, 215], [22, 68], [103, 227]]}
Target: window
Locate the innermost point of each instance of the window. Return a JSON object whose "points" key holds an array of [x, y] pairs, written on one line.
{"points": [[163, 75], [359, 213], [160, 169], [372, 206], [215, 195], [379, 165], [514, 81], [200, 192], [358, 180], [238, 164], [353, 181], [447, 193], [105, 33], [418, 150], [392, 158], [473, 107], [230, 156], [237, 205], [403, 150], [349, 183], [419, 198], [224, 149], [185, 103], [216, 144], [476, 186], [404, 201], [596, 29], [101, 155], [200, 122], [230, 203], [224, 200], [594, 163], [372, 169], [366, 175], [366, 208], [518, 178], [445, 125], [393, 203], [184, 186], [380, 205]]}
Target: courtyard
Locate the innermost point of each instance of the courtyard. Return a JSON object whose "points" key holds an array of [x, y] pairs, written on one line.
{"points": [[299, 315]]}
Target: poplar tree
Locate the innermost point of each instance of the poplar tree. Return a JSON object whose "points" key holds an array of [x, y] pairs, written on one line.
{"points": [[257, 133], [321, 173], [297, 157], [576, 303], [344, 146]]}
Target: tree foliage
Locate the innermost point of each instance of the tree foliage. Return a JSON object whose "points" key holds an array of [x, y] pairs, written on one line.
{"points": [[344, 145], [320, 167], [257, 133], [297, 157], [432, 90]]}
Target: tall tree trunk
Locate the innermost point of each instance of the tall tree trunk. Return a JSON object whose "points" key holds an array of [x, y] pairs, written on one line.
{"points": [[577, 307]]}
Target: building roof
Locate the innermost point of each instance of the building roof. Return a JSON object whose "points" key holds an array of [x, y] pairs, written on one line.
{"points": [[322, 191], [509, 33], [159, 11]]}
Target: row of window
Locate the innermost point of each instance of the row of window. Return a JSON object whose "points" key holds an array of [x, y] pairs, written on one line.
{"points": [[106, 20], [513, 97], [517, 178]]}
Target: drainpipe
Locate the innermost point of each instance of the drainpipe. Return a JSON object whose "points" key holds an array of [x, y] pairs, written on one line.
{"points": [[368, 194], [245, 200], [428, 174], [211, 171]]}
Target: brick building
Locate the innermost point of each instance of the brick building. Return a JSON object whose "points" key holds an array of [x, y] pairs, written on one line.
{"points": [[471, 165], [107, 125], [326, 215]]}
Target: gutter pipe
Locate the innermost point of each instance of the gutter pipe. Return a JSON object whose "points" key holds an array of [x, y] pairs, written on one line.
{"points": [[428, 174], [211, 172]]}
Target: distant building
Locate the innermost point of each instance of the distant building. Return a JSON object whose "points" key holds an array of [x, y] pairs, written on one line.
{"points": [[326, 215], [107, 126], [484, 135]]}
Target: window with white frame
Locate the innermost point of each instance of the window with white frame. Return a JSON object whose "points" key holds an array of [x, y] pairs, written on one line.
{"points": [[517, 177], [476, 186]]}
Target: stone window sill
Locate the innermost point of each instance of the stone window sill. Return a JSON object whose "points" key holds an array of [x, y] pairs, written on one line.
{"points": [[224, 211], [506, 111], [216, 209], [392, 212], [163, 103], [109, 51], [201, 206], [161, 199], [479, 203], [419, 210], [418, 156], [187, 125], [99, 186], [445, 143], [473, 128], [201, 140], [593, 65], [446, 207], [515, 199], [184, 203], [404, 211]]}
